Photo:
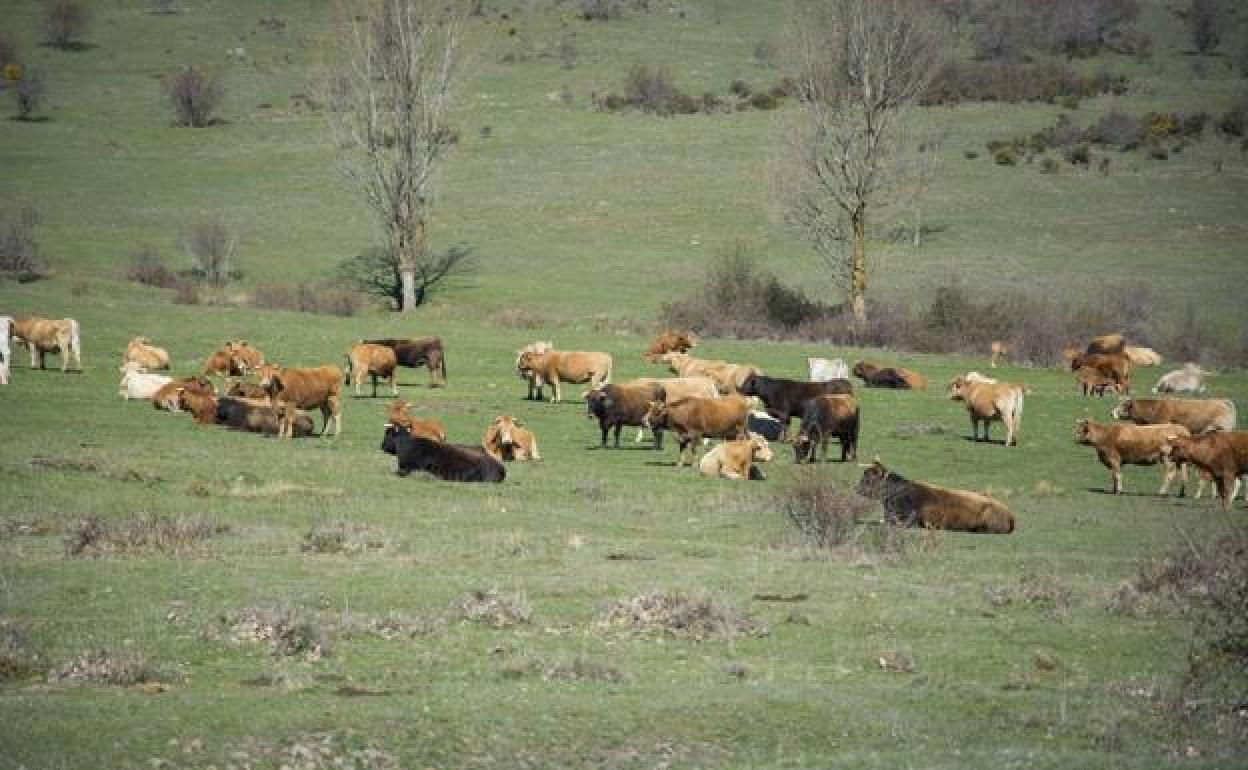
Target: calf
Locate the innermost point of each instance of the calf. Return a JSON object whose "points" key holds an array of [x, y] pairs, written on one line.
{"points": [[693, 419], [557, 366], [1189, 379], [138, 384], [1115, 366], [1198, 415], [988, 403], [999, 350], [417, 352], [668, 342], [1117, 445], [258, 417], [736, 459], [304, 388], [368, 360], [166, 397], [224, 363], [618, 405], [919, 504], [1223, 455], [202, 406], [507, 439], [431, 428], [822, 369], [42, 336], [140, 351], [785, 399], [889, 377], [449, 462], [827, 417]]}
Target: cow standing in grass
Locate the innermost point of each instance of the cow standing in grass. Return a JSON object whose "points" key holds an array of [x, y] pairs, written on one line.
{"points": [[291, 389], [988, 403], [824, 418], [1224, 456], [417, 352], [42, 336], [1117, 445], [375, 361]]}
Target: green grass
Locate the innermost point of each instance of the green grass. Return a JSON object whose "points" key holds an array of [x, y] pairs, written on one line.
{"points": [[574, 215]]}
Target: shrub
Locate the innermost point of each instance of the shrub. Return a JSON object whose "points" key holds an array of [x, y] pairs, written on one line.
{"points": [[1193, 125], [740, 88], [1204, 25], [650, 90], [303, 297], [19, 250], [1005, 156], [764, 101], [1079, 155], [213, 248], [64, 23], [1233, 122], [1117, 130], [148, 268], [31, 88], [1049, 166], [194, 97], [676, 614], [823, 511]]}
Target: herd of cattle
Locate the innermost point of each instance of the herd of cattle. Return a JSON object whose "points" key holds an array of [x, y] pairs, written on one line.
{"points": [[704, 399]]}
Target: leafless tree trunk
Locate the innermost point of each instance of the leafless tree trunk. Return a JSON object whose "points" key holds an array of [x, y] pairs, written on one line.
{"points": [[861, 66], [925, 166], [389, 101]]}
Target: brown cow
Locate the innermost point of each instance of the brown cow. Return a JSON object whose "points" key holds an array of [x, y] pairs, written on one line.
{"points": [[304, 388], [166, 397], [827, 417], [1117, 445], [693, 419], [999, 351], [223, 363], [1107, 343], [535, 387], [400, 415], [202, 406], [251, 390], [1115, 366], [248, 357], [142, 352], [368, 360], [507, 439], [1092, 382], [1223, 455], [988, 403], [736, 459], [258, 416], [1198, 415], [889, 377], [670, 341], [919, 504], [42, 336], [556, 366], [418, 352]]}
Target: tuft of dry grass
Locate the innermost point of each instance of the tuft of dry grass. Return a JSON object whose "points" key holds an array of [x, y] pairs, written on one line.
{"points": [[574, 670], [343, 537], [106, 667], [17, 659], [493, 609], [287, 630], [679, 615], [92, 536]]}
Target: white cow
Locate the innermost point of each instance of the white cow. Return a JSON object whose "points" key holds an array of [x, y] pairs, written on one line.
{"points": [[822, 369], [1189, 379], [6, 329], [139, 384]]}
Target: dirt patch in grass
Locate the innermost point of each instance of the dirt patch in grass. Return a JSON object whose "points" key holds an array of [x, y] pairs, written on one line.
{"points": [[492, 608], [112, 668], [142, 532], [678, 615]]}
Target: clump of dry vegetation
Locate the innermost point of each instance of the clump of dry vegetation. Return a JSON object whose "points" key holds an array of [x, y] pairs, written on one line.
{"points": [[344, 537], [17, 659], [825, 513], [106, 667], [286, 630], [492, 608], [92, 536], [574, 670], [1037, 590], [391, 626], [697, 618]]}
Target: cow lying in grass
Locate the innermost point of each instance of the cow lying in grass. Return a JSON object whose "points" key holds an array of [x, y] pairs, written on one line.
{"points": [[166, 397], [449, 462], [737, 459], [875, 376], [670, 341], [137, 384], [1189, 379], [728, 377], [507, 439], [142, 352], [1117, 445], [259, 417], [919, 504]]}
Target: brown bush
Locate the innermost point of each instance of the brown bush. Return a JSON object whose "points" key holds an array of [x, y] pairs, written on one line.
{"points": [[194, 97], [824, 512], [148, 268], [64, 23], [19, 249], [322, 299]]}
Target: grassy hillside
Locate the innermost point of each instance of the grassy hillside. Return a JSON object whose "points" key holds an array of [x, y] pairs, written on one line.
{"points": [[941, 650]]}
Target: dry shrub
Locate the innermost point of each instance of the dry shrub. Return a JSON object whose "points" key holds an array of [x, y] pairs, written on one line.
{"points": [[1040, 591], [512, 317], [148, 268], [64, 23], [186, 293], [574, 670], [287, 630], [92, 536], [31, 89], [652, 91], [19, 249], [17, 659], [493, 608], [343, 537], [302, 297], [696, 618], [391, 626], [194, 97], [31, 525], [824, 512], [1015, 82], [109, 668], [605, 10]]}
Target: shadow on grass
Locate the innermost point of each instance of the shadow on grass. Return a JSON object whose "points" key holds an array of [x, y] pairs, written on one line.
{"points": [[73, 46]]}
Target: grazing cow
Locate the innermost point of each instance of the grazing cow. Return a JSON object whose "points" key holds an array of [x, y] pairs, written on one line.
{"points": [[1092, 382], [1116, 366], [417, 352], [618, 405], [368, 360], [449, 462], [258, 417], [202, 406], [431, 428], [674, 389], [507, 439], [1189, 379], [784, 399], [138, 384], [999, 351], [140, 351], [1142, 356], [6, 356], [535, 385], [1198, 415], [1107, 343], [693, 419], [250, 390], [1223, 455], [827, 417], [823, 369], [919, 504], [1117, 445], [166, 397], [42, 336], [875, 376], [988, 403], [736, 459], [297, 388], [556, 366], [670, 341]]}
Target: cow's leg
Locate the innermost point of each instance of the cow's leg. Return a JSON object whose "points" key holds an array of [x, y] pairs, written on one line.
{"points": [[618, 427], [558, 396], [394, 382], [1228, 486], [685, 442], [974, 429], [641, 432], [1169, 471], [336, 404]]}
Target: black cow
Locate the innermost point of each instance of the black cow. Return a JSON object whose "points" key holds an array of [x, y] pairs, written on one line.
{"points": [[421, 351], [785, 398], [828, 417], [449, 462], [618, 405], [765, 425]]}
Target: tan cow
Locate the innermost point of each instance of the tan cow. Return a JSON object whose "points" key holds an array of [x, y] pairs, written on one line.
{"points": [[291, 388], [999, 351], [42, 336], [1116, 366], [1107, 343], [535, 387], [1198, 415], [140, 351], [249, 358], [557, 366], [166, 397], [693, 419], [736, 459], [670, 341], [400, 414], [507, 439], [1117, 445], [368, 360], [985, 403], [1141, 356], [1223, 455], [728, 377], [1093, 382]]}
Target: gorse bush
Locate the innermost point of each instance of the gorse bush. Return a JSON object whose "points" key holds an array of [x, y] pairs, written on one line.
{"points": [[1016, 81], [194, 97]]}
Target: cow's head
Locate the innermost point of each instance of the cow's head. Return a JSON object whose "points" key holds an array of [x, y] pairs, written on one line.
{"points": [[760, 451], [959, 387], [270, 378], [596, 403], [675, 361], [873, 480], [1084, 430], [1125, 409], [656, 415], [1177, 449], [749, 386], [503, 427], [862, 369], [527, 362], [390, 441]]}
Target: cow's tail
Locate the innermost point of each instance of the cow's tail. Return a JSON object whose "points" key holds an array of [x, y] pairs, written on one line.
{"points": [[75, 341]]}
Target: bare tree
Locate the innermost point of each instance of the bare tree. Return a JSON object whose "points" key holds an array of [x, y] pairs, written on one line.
{"points": [[388, 112], [862, 65], [924, 166]]}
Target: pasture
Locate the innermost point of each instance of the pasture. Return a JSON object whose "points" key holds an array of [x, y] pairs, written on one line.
{"points": [[943, 650]]}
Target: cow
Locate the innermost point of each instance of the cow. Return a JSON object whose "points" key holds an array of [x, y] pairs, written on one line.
{"points": [[999, 350], [368, 360], [1117, 445], [824, 418], [258, 417], [988, 403], [507, 439], [618, 405], [6, 356], [875, 376], [138, 384], [823, 369], [449, 462], [1092, 382], [304, 388], [1107, 343], [417, 352], [251, 390], [693, 419], [737, 459], [920, 504], [974, 376], [431, 428], [728, 377], [674, 389], [535, 384], [1189, 379], [249, 358], [142, 352], [1198, 415], [166, 397], [765, 425], [223, 362], [202, 406], [42, 336], [670, 341], [784, 399], [1115, 366], [1141, 356], [557, 366], [1224, 455]]}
